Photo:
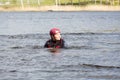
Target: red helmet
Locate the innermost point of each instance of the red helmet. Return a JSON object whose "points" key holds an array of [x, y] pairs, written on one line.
{"points": [[54, 31]]}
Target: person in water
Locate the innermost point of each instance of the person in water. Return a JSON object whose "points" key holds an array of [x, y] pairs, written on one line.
{"points": [[56, 41]]}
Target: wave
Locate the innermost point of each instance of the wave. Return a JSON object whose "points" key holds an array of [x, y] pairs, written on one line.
{"points": [[42, 47], [16, 47], [90, 66], [72, 40], [37, 36], [78, 68], [100, 66], [32, 47]]}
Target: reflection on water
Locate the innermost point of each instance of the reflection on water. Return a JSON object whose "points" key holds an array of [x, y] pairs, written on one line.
{"points": [[91, 53]]}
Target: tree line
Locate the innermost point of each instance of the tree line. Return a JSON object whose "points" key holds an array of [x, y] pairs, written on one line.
{"points": [[86, 2], [24, 3]]}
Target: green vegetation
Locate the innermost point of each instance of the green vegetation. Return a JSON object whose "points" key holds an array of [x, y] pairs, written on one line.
{"points": [[90, 2], [37, 3]]}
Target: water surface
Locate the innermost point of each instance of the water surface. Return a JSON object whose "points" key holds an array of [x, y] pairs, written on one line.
{"points": [[92, 46], [68, 22]]}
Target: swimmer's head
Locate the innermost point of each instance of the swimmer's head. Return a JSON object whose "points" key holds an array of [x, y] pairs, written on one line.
{"points": [[55, 34]]}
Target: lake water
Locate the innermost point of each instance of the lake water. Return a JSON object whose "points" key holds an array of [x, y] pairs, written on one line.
{"points": [[92, 46]]}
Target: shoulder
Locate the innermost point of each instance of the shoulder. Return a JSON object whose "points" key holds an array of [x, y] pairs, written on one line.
{"points": [[64, 43], [48, 41], [62, 40]]}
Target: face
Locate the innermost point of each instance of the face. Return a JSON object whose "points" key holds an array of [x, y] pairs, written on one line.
{"points": [[57, 36]]}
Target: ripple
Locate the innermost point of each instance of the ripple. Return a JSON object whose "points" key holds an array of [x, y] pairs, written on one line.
{"points": [[89, 66], [16, 47], [100, 66]]}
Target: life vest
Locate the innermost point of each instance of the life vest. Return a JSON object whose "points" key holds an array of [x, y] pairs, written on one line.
{"points": [[54, 44]]}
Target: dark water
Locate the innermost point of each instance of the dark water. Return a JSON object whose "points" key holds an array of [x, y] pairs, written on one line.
{"points": [[92, 40]]}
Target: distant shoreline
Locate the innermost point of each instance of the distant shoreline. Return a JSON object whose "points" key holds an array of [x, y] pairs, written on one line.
{"points": [[64, 8]]}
